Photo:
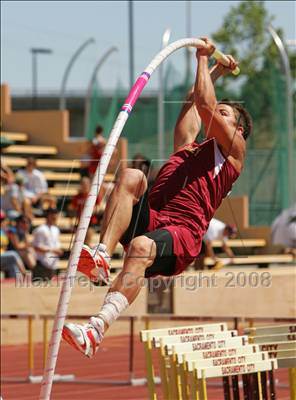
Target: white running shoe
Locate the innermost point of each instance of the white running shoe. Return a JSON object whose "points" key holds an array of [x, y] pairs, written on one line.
{"points": [[95, 263], [84, 338]]}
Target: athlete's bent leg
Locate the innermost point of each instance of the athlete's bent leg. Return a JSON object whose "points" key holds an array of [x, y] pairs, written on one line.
{"points": [[117, 216], [95, 262], [124, 290]]}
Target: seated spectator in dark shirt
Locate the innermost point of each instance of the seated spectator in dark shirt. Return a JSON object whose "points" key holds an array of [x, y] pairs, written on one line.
{"points": [[19, 241], [11, 263]]}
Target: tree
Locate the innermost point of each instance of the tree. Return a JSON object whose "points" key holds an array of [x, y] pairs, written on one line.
{"points": [[243, 34], [261, 85]]}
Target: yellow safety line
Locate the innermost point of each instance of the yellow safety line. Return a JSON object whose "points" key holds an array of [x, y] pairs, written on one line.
{"points": [[45, 339], [31, 345]]}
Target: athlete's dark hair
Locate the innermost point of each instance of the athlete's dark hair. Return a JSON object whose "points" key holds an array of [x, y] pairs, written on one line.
{"points": [[242, 115]]}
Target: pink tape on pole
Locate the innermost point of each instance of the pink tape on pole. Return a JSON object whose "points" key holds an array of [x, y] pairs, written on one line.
{"points": [[135, 92]]}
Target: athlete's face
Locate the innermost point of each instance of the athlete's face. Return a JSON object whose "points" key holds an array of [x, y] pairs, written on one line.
{"points": [[228, 113]]}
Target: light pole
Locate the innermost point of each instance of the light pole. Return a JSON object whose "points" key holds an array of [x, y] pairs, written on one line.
{"points": [[286, 64], [35, 51], [91, 85], [131, 40], [188, 35], [68, 69], [161, 128]]}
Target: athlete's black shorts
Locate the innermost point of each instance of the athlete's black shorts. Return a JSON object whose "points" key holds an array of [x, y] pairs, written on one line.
{"points": [[165, 260]]}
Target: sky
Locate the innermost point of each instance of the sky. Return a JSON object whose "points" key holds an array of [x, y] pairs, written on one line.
{"points": [[64, 25]]}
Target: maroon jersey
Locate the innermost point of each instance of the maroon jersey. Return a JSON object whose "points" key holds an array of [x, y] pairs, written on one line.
{"points": [[188, 189]]}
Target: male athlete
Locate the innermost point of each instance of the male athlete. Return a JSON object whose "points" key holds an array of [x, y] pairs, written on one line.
{"points": [[162, 230]]}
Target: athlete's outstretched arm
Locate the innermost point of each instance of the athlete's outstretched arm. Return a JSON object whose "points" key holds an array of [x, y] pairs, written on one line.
{"points": [[218, 121], [189, 122]]}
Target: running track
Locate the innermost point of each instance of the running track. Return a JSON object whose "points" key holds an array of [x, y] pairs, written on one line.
{"points": [[111, 362]]}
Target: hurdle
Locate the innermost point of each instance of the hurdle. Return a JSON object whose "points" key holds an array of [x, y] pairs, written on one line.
{"points": [[188, 356], [179, 350], [151, 339], [280, 343], [30, 347], [214, 341], [252, 390]]}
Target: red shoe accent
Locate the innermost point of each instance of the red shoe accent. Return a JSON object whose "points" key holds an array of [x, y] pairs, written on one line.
{"points": [[68, 338], [92, 339], [95, 267]]}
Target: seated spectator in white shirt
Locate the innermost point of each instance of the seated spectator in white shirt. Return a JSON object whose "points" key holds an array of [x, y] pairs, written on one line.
{"points": [[34, 182], [46, 242], [15, 201], [218, 230], [283, 230]]}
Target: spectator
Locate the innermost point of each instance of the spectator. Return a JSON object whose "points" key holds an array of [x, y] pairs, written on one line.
{"points": [[14, 200], [217, 230], [34, 182], [11, 263], [96, 150], [7, 175], [283, 230], [19, 241], [77, 203], [99, 138], [46, 242]]}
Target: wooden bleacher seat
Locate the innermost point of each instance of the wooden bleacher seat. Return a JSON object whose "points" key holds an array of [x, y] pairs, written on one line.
{"points": [[17, 162], [31, 150], [73, 176], [62, 222], [62, 176], [63, 191], [253, 260], [241, 243], [70, 176], [15, 136]]}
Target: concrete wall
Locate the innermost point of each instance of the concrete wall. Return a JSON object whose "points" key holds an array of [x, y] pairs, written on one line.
{"points": [[50, 128], [234, 211], [225, 293], [5, 101]]}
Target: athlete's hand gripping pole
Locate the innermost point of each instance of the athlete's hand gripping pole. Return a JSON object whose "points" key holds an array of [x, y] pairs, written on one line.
{"points": [[222, 58]]}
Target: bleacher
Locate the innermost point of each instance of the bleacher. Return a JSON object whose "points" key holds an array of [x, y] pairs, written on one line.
{"points": [[64, 176]]}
